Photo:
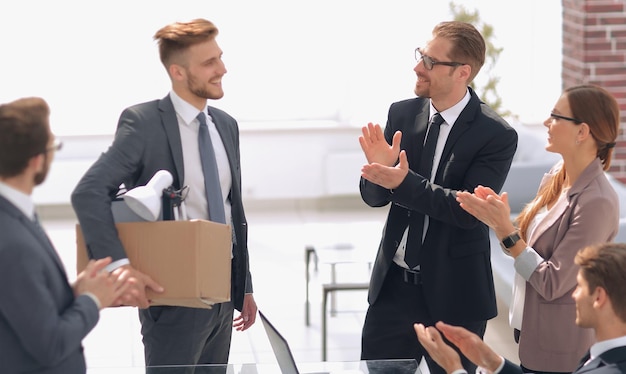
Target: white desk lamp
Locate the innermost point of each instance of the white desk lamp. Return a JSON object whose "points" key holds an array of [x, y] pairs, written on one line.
{"points": [[146, 200]]}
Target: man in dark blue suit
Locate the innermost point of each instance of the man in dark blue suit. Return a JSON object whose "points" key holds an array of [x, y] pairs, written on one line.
{"points": [[433, 262], [600, 304], [43, 318]]}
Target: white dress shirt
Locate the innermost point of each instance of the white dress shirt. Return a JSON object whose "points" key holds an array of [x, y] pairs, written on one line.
{"points": [[22, 201], [599, 348], [450, 116], [196, 202]]}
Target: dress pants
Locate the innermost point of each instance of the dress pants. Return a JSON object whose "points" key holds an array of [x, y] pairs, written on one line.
{"points": [[186, 336], [388, 331]]}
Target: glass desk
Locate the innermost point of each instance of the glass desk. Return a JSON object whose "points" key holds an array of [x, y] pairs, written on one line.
{"points": [[354, 367]]}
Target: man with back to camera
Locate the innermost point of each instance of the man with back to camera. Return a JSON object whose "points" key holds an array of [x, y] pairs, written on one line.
{"points": [[43, 318], [175, 134], [433, 262], [600, 304]]}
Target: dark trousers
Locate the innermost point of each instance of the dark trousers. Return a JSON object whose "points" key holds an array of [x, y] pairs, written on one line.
{"points": [[388, 331], [186, 336]]}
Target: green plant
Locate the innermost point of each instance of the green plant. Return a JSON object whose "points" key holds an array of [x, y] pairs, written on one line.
{"points": [[488, 87]]}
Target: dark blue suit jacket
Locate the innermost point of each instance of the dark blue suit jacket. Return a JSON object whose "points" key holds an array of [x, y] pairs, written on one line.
{"points": [[148, 140], [455, 257], [42, 324]]}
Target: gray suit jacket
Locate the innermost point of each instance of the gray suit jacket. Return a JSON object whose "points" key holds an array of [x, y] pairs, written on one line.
{"points": [[147, 140], [612, 361], [589, 215], [42, 324]]}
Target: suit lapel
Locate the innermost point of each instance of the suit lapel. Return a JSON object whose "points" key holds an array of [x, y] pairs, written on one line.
{"points": [[549, 220], [170, 124], [35, 230], [231, 154], [589, 174], [417, 135], [229, 146], [611, 357], [590, 366], [459, 128], [43, 238]]}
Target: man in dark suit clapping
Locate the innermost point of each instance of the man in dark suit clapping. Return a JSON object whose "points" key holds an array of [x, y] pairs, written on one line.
{"points": [[433, 262]]}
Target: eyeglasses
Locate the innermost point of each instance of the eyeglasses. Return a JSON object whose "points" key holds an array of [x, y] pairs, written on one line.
{"points": [[558, 116], [429, 63], [56, 146]]}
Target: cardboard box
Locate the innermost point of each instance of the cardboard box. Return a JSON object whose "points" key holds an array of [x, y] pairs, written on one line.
{"points": [[190, 259]]}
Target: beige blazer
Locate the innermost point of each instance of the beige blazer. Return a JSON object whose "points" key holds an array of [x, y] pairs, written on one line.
{"points": [[550, 339]]}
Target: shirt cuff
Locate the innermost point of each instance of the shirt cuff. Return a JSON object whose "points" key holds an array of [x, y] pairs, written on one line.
{"points": [[482, 370], [94, 298], [117, 264], [499, 369], [527, 261]]}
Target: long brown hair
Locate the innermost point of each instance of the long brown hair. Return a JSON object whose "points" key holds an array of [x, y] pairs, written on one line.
{"points": [[597, 108]]}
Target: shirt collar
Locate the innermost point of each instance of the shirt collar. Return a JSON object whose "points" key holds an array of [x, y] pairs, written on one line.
{"points": [[186, 111], [451, 114], [600, 347], [21, 200]]}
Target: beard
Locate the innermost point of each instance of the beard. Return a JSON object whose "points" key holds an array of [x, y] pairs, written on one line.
{"points": [[422, 90], [40, 177], [200, 91]]}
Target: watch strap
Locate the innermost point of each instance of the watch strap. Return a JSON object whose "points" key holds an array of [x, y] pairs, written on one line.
{"points": [[510, 240]]}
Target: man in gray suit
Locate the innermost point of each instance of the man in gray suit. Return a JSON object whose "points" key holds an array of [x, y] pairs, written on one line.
{"points": [[43, 318], [164, 134], [600, 304]]}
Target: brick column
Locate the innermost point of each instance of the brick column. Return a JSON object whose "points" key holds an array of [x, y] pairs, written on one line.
{"points": [[594, 51]]}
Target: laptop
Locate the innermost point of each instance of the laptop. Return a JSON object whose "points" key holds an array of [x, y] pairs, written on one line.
{"points": [[281, 349], [287, 364]]}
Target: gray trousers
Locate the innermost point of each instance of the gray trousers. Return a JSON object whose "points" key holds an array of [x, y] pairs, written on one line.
{"points": [[186, 336]]}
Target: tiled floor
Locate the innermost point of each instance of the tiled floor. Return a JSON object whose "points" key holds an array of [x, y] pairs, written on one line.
{"points": [[277, 239]]}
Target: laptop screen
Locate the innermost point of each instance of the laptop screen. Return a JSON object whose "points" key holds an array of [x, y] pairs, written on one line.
{"points": [[280, 347]]}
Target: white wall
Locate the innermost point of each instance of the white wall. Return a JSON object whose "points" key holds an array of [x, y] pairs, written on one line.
{"points": [[292, 163], [303, 75], [342, 60]]}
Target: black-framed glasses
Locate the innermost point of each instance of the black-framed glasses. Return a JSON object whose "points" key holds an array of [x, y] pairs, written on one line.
{"points": [[558, 116], [429, 63], [57, 145]]}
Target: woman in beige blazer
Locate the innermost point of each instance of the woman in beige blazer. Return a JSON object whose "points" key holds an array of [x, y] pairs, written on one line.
{"points": [[575, 206]]}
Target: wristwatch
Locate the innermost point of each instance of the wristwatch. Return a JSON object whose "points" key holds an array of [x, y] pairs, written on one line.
{"points": [[509, 241]]}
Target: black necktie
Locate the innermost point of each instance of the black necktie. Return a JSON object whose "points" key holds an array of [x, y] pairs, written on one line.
{"points": [[212, 185], [414, 240], [428, 153]]}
